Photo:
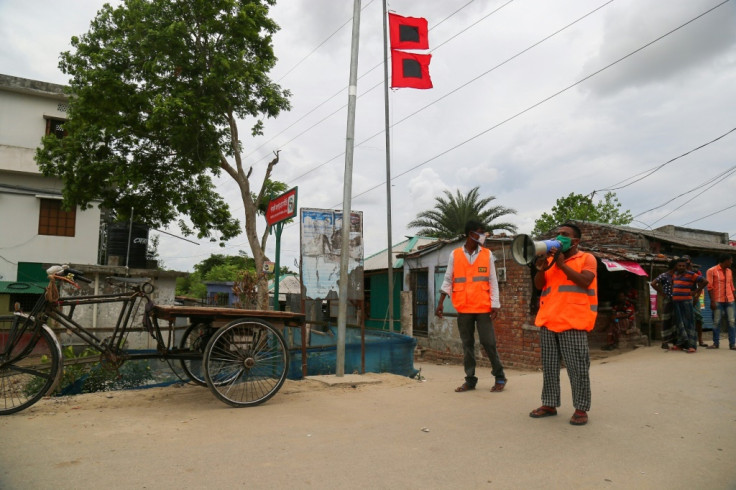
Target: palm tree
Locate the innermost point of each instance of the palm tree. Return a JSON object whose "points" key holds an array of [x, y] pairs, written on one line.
{"points": [[448, 218]]}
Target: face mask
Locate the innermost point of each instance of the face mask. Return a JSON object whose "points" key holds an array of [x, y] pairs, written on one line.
{"points": [[481, 238], [565, 241]]}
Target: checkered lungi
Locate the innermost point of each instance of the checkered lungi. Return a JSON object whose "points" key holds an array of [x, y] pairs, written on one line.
{"points": [[570, 346]]}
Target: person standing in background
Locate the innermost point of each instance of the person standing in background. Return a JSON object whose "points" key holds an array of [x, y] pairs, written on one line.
{"points": [[721, 292]]}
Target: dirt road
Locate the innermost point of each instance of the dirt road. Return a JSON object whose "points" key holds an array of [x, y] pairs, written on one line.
{"points": [[659, 420]]}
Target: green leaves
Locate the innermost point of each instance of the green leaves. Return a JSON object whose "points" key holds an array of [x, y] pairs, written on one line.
{"points": [[153, 84], [582, 208], [448, 218]]}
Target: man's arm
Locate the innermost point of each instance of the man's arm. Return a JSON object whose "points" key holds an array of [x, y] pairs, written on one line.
{"points": [[493, 278], [582, 278]]}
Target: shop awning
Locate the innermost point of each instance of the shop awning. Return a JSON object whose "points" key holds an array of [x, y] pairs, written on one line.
{"points": [[622, 265]]}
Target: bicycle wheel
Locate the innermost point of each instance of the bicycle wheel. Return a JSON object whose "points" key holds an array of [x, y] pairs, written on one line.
{"points": [[27, 373], [246, 362], [195, 339]]}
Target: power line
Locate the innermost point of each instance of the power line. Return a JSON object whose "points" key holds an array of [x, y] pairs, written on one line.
{"points": [[711, 214], [321, 44], [725, 173], [342, 90], [546, 38], [657, 168], [691, 199], [546, 99]]}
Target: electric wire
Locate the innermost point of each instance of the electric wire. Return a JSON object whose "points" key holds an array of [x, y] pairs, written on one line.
{"points": [[712, 214], [651, 171], [499, 65], [688, 201], [546, 99], [342, 90], [723, 174]]}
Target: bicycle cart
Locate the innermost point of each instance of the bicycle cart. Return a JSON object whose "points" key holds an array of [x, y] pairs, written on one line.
{"points": [[241, 355]]}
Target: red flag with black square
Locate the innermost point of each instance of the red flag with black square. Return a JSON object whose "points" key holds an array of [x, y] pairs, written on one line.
{"points": [[410, 70], [408, 32]]}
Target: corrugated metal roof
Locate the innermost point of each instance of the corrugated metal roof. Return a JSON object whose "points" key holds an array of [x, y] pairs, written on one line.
{"points": [[379, 261]]}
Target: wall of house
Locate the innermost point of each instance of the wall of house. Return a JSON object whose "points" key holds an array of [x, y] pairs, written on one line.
{"points": [[20, 241], [102, 318], [22, 125], [517, 337]]}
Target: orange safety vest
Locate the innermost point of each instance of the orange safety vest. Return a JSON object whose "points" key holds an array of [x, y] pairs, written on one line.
{"points": [[564, 305], [471, 287]]}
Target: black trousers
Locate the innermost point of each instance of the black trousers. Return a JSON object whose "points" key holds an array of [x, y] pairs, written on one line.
{"points": [[467, 323]]}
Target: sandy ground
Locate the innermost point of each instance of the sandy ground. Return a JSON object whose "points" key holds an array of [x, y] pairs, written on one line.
{"points": [[659, 420]]}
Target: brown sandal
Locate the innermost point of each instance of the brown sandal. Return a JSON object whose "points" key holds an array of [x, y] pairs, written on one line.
{"points": [[499, 386], [464, 387], [543, 411], [579, 418]]}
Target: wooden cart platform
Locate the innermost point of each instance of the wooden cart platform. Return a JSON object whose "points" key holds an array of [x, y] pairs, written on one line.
{"points": [[215, 315]]}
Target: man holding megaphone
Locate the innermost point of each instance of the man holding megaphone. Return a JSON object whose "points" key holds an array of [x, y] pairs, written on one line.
{"points": [[471, 283], [567, 311]]}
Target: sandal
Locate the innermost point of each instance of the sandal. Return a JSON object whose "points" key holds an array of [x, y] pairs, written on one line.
{"points": [[543, 411], [579, 418], [703, 344], [499, 386], [464, 387], [691, 350], [675, 347]]}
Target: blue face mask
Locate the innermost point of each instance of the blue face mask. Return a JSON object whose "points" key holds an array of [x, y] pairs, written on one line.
{"points": [[565, 241]]}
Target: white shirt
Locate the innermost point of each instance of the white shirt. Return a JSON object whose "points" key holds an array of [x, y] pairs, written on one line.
{"points": [[447, 283]]}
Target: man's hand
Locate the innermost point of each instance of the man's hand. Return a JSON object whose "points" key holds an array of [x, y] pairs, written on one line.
{"points": [[494, 314], [439, 310]]}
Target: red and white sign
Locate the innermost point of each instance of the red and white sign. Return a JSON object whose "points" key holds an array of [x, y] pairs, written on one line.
{"points": [[281, 208], [620, 265]]}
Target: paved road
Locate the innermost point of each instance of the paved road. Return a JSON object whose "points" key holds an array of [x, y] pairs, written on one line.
{"points": [[659, 420]]}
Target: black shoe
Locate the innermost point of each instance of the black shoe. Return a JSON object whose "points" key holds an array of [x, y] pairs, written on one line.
{"points": [[665, 346]]}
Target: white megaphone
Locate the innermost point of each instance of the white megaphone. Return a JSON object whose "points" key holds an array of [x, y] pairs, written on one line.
{"points": [[524, 250]]}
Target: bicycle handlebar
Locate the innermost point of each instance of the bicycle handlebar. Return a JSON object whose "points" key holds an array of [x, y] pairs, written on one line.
{"points": [[65, 270]]}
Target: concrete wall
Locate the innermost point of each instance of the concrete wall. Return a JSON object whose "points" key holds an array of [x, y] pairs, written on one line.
{"points": [[102, 318]]}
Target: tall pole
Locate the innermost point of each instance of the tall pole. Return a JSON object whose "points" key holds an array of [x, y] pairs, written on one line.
{"points": [[346, 196], [390, 269], [277, 270]]}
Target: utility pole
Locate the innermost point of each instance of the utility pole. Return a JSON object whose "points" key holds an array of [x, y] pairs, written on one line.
{"points": [[347, 195]]}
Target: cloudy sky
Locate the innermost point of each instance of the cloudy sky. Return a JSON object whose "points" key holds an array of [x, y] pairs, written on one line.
{"points": [[532, 100]]}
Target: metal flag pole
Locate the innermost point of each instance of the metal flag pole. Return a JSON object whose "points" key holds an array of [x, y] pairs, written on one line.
{"points": [[346, 199], [390, 270]]}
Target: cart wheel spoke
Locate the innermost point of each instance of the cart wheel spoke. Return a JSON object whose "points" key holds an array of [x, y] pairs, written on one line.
{"points": [[246, 362]]}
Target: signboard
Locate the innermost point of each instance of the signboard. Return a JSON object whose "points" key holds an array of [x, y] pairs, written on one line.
{"points": [[621, 265], [282, 208], [321, 237], [269, 267]]}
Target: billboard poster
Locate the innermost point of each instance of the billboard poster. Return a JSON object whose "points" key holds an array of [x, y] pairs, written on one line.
{"points": [[321, 246]]}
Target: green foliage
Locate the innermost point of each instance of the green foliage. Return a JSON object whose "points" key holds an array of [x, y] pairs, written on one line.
{"points": [[155, 92], [448, 218], [271, 189], [83, 373], [238, 262], [582, 208]]}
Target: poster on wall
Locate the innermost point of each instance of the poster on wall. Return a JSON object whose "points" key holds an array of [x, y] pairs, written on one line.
{"points": [[321, 246]]}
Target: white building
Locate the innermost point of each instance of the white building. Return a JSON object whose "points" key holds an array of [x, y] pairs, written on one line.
{"points": [[35, 228]]}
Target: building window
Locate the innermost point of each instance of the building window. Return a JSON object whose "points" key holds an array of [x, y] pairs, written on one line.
{"points": [[55, 126], [53, 220]]}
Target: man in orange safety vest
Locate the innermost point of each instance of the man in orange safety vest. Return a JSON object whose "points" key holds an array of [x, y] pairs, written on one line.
{"points": [[567, 312], [471, 283]]}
